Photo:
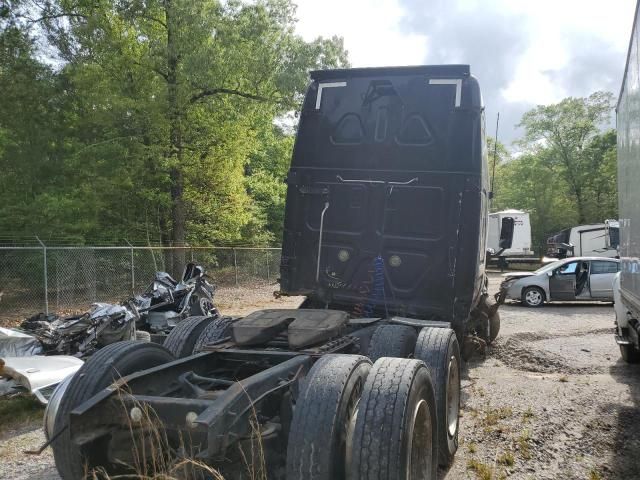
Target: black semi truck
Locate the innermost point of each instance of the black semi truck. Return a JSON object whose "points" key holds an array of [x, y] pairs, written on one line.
{"points": [[385, 233]]}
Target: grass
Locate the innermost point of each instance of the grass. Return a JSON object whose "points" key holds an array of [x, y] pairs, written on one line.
{"points": [[19, 411], [484, 471], [493, 416], [507, 459], [523, 444], [472, 448], [528, 414], [594, 474], [152, 460]]}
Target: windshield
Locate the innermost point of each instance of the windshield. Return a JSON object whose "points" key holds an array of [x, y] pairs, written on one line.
{"points": [[549, 267]]}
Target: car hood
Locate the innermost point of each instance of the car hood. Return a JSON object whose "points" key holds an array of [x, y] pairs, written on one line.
{"points": [[516, 275]]}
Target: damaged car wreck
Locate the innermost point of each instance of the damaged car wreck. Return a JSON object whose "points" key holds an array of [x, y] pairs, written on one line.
{"points": [[25, 363], [159, 309], [385, 231]]}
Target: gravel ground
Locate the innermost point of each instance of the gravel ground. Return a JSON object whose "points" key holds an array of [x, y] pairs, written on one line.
{"points": [[550, 400]]}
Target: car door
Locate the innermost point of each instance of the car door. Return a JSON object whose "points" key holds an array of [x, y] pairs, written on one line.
{"points": [[601, 281], [562, 284]]}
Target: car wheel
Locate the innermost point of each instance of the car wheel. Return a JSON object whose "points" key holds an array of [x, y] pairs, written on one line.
{"points": [[533, 297]]}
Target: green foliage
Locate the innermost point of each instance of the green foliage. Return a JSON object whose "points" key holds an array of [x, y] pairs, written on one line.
{"points": [[566, 173], [156, 121]]}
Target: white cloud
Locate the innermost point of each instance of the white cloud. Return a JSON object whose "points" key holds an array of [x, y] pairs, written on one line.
{"points": [[370, 28], [524, 52]]}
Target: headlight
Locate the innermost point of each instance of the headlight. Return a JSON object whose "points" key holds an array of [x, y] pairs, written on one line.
{"points": [[507, 283]]}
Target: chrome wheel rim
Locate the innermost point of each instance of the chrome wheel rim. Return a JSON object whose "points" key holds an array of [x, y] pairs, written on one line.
{"points": [[533, 297], [453, 396], [350, 425], [420, 449]]}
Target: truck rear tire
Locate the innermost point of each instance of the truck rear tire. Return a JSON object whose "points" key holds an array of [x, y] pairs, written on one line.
{"points": [[494, 327], [101, 370], [438, 348], [217, 330], [182, 339], [395, 436], [629, 354], [396, 341], [323, 416]]}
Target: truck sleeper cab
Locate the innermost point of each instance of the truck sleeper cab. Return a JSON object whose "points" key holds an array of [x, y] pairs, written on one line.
{"points": [[385, 228]]}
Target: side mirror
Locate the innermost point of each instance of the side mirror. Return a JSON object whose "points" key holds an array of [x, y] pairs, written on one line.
{"points": [[506, 233], [550, 273]]}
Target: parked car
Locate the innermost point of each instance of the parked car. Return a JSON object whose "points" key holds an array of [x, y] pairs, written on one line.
{"points": [[571, 279]]}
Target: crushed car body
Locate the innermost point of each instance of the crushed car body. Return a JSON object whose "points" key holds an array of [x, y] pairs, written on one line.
{"points": [[164, 304], [36, 374]]}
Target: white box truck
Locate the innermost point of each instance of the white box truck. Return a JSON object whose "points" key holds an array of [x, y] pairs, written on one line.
{"points": [[521, 245], [627, 284]]}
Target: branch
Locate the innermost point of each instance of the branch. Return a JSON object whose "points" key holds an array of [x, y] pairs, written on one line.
{"points": [[154, 19], [54, 17], [229, 91], [152, 68]]}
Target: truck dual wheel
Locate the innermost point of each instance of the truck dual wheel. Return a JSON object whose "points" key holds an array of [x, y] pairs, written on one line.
{"points": [[494, 326], [215, 331], [101, 370], [533, 297], [629, 354], [323, 417], [392, 341], [395, 433], [438, 348], [182, 339]]}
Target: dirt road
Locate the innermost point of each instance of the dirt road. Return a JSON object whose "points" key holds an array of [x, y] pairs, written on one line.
{"points": [[551, 400]]}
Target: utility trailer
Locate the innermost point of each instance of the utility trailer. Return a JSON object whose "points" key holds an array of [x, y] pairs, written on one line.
{"points": [[385, 235], [594, 240], [627, 285]]}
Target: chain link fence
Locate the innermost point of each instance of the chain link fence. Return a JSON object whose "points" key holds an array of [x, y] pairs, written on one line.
{"points": [[41, 278]]}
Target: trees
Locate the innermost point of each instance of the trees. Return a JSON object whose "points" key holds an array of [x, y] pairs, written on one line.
{"points": [[566, 173], [169, 101], [561, 134]]}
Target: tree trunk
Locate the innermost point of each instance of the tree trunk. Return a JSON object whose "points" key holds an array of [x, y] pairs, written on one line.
{"points": [[175, 144]]}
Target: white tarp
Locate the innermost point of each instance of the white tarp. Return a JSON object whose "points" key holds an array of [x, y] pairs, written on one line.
{"points": [[18, 344]]}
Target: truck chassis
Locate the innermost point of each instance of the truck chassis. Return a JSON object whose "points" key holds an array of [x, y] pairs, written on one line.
{"points": [[225, 402]]}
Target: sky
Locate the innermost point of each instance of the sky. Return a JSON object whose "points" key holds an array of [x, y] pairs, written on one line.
{"points": [[523, 52]]}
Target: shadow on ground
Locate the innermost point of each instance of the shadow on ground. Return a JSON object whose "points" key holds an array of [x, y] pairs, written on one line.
{"points": [[625, 424]]}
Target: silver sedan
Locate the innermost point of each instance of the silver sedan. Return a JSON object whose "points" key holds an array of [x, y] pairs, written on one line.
{"points": [[572, 279]]}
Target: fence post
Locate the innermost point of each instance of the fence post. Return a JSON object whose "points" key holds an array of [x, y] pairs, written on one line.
{"points": [[133, 270], [46, 286], [235, 265], [268, 270]]}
